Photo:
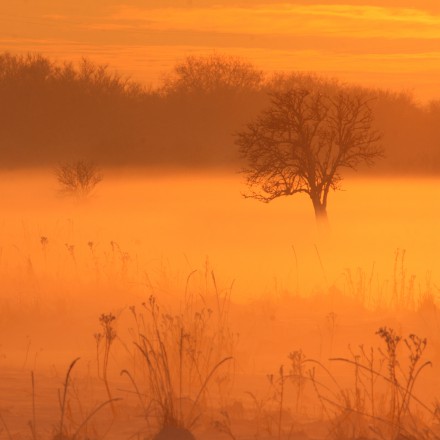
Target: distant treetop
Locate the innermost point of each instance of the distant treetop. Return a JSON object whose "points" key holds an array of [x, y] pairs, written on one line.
{"points": [[211, 74]]}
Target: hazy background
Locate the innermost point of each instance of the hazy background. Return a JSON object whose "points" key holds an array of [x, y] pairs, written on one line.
{"points": [[106, 82], [56, 107], [52, 112], [153, 92], [391, 44]]}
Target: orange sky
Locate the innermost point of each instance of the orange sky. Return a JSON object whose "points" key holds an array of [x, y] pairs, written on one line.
{"points": [[391, 44]]}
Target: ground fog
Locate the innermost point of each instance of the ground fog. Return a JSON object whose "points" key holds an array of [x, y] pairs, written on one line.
{"points": [[262, 273]]}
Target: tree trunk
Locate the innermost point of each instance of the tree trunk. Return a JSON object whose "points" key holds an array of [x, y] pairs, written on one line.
{"points": [[173, 433], [321, 217]]}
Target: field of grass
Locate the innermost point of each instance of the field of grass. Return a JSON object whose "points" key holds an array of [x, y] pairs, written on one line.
{"points": [[190, 306]]}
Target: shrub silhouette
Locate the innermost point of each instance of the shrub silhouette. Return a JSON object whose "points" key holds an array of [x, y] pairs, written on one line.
{"points": [[78, 178]]}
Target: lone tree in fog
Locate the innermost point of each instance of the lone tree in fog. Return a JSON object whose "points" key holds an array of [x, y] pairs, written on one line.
{"points": [[303, 140], [78, 178]]}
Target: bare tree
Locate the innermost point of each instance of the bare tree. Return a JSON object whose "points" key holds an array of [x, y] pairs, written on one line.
{"points": [[78, 178], [212, 74], [303, 140]]}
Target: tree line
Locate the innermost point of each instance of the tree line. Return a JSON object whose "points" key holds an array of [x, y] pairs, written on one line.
{"points": [[52, 112]]}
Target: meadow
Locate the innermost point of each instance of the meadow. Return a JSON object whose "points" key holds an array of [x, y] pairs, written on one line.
{"points": [[243, 284]]}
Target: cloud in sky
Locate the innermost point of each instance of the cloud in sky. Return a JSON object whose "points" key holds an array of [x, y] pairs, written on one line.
{"points": [[319, 20], [262, 22]]}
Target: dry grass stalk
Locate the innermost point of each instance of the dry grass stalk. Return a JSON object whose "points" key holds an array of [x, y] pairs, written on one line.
{"points": [[355, 413], [182, 355]]}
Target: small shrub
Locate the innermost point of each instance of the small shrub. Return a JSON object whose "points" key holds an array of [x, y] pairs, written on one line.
{"points": [[78, 178]]}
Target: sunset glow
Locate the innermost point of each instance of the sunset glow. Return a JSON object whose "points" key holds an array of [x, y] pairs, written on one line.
{"points": [[357, 43], [220, 220]]}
